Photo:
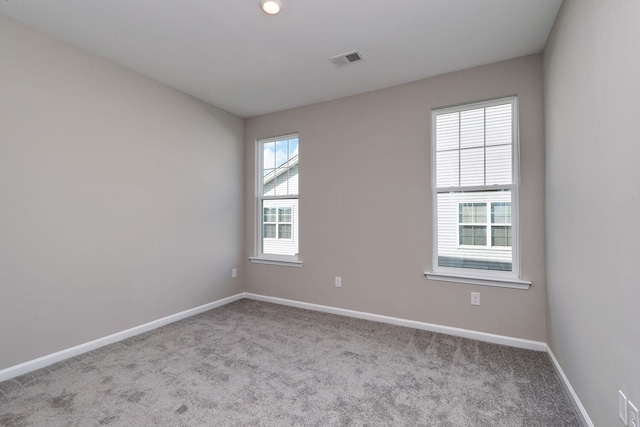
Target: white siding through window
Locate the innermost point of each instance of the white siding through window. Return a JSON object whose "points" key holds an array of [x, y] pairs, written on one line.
{"points": [[278, 213], [473, 148]]}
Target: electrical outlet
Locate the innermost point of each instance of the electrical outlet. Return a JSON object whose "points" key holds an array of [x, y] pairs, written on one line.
{"points": [[633, 416], [234, 273], [622, 407], [338, 282], [475, 298]]}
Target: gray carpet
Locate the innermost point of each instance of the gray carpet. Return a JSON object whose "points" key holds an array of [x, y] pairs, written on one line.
{"points": [[253, 363]]}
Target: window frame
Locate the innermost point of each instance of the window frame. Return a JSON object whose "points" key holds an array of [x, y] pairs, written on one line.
{"points": [[510, 279], [259, 256]]}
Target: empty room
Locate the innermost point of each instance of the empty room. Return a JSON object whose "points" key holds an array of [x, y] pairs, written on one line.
{"points": [[320, 213]]}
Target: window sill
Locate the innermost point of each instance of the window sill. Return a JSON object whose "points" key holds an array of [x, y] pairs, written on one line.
{"points": [[475, 280], [274, 260]]}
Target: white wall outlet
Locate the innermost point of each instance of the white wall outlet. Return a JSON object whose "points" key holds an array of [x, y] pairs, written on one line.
{"points": [[338, 282], [475, 298], [234, 273], [633, 416], [622, 407]]}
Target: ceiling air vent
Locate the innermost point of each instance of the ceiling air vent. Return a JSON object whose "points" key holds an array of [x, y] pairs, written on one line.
{"points": [[346, 58]]}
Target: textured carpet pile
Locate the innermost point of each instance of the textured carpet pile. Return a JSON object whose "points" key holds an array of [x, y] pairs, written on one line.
{"points": [[254, 363]]}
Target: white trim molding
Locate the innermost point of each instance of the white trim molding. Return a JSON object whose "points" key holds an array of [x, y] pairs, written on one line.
{"points": [[44, 361], [449, 330], [476, 280], [50, 359], [290, 262], [574, 396]]}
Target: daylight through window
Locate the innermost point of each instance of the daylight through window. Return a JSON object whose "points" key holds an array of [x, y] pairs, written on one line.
{"points": [[278, 196], [475, 186]]}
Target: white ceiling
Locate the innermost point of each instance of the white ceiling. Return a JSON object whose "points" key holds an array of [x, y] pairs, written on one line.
{"points": [[232, 55]]}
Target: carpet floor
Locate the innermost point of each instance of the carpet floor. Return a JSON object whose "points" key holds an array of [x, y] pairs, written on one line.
{"points": [[254, 363]]}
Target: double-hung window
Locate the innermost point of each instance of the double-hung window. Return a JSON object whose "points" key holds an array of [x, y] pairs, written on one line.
{"points": [[278, 215], [475, 193]]}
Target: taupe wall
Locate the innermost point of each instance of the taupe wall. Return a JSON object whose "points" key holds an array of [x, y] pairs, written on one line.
{"points": [[366, 209], [592, 113], [120, 198]]}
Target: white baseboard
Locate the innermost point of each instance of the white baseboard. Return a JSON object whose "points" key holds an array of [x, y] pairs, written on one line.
{"points": [[50, 359], [574, 396], [41, 362], [449, 330]]}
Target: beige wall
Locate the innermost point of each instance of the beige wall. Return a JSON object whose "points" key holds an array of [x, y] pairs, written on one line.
{"points": [[592, 114], [120, 198], [365, 203]]}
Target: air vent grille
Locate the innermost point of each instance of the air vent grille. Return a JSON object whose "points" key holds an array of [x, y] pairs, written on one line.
{"points": [[346, 58]]}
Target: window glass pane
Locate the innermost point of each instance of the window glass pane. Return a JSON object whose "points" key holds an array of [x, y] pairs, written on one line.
{"points": [[282, 182], [472, 128], [281, 234], [293, 180], [269, 231], [499, 165], [269, 183], [447, 132], [269, 155], [501, 213], [499, 126], [269, 215], [293, 147], [284, 215], [473, 213], [501, 236], [475, 235], [472, 167], [282, 152], [284, 231], [278, 196], [448, 169], [464, 240], [474, 148]]}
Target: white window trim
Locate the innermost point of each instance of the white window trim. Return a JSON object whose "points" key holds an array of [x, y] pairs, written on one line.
{"points": [[503, 279], [477, 279], [259, 257]]}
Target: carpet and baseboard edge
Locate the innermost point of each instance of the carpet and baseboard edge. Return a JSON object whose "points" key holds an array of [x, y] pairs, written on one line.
{"points": [[586, 420], [44, 361], [50, 359]]}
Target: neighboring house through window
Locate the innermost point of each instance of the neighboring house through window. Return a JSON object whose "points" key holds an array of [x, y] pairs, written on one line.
{"points": [[278, 218], [475, 188]]}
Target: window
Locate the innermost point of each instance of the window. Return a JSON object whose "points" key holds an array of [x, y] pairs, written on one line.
{"points": [[475, 187], [473, 224], [501, 224], [277, 221]]}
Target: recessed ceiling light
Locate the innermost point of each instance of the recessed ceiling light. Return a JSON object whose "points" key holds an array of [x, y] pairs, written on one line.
{"points": [[272, 7]]}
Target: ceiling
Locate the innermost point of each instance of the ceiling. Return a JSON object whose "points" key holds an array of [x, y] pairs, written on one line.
{"points": [[232, 55]]}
